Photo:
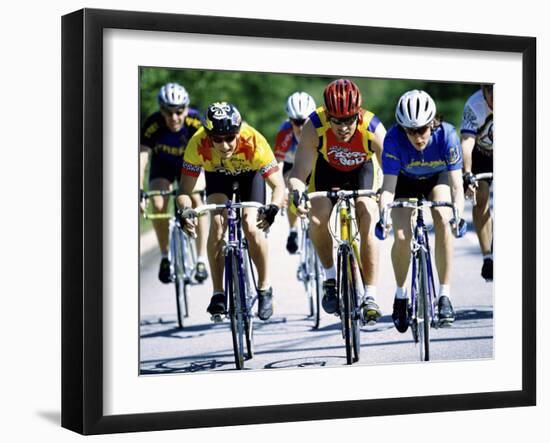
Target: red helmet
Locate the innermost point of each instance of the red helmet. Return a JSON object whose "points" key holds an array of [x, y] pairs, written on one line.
{"points": [[342, 98]]}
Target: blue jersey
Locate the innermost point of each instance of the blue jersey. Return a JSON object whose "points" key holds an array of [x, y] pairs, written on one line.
{"points": [[443, 153], [167, 146]]}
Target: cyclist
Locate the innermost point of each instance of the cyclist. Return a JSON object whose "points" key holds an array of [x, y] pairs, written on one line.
{"points": [[340, 146], [476, 137], [164, 136], [421, 157], [229, 151], [298, 107]]}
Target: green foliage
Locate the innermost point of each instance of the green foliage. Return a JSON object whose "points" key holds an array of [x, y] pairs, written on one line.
{"points": [[261, 97]]}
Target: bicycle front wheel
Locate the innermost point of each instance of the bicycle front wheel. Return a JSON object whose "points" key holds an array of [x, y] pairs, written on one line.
{"points": [[235, 308], [346, 289], [177, 240], [423, 309]]}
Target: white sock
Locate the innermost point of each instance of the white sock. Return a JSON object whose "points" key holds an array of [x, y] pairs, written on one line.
{"points": [[330, 272], [490, 255], [164, 254], [294, 229], [370, 291], [401, 293], [201, 259], [444, 290]]}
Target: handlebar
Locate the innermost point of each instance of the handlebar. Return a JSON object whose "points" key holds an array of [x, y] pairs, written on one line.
{"points": [[342, 194], [216, 207], [417, 204]]}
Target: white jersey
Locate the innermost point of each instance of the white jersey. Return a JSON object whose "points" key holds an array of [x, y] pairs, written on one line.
{"points": [[477, 120]]}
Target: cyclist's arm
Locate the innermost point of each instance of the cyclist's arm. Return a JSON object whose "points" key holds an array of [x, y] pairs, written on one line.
{"points": [[187, 184], [277, 185], [388, 190], [467, 142], [378, 142], [457, 190], [144, 154], [305, 158]]}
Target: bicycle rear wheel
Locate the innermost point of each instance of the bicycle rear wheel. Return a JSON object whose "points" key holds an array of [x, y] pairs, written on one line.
{"points": [[177, 246], [423, 310], [235, 309]]}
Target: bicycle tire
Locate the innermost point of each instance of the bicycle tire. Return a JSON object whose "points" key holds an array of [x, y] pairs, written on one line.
{"points": [[355, 318], [318, 275], [180, 281], [423, 307], [344, 289], [235, 309], [248, 318]]}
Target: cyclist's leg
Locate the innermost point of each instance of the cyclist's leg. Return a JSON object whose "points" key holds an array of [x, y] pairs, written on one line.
{"points": [[367, 215], [319, 230], [401, 248], [216, 242], [444, 249], [160, 205], [444, 244], [252, 188], [202, 228], [482, 218]]}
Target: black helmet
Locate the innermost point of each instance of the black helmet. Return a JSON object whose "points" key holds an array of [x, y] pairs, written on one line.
{"points": [[222, 118]]}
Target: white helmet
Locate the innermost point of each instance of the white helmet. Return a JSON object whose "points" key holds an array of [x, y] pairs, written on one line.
{"points": [[299, 105], [415, 109], [172, 94]]}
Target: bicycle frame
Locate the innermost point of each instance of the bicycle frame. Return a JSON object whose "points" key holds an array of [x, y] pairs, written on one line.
{"points": [[420, 241], [234, 247]]}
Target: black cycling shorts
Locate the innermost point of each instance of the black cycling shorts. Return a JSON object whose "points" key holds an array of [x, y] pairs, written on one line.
{"points": [[161, 167], [251, 185], [482, 161], [326, 178], [408, 187], [286, 168]]}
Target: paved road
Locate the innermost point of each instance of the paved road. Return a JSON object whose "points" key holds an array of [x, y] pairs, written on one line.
{"points": [[287, 339]]}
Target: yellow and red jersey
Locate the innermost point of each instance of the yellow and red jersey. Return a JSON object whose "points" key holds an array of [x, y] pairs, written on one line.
{"points": [[252, 153]]}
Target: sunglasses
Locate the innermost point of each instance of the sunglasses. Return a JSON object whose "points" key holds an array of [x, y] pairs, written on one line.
{"points": [[417, 131], [343, 121], [223, 138], [170, 111], [297, 121]]}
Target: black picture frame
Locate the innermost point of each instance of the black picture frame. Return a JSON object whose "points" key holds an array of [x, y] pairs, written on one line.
{"points": [[82, 230]]}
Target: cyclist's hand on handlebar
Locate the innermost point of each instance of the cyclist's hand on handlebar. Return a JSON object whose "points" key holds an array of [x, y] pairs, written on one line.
{"points": [[300, 203], [187, 218], [266, 216], [470, 185], [380, 230], [460, 228]]}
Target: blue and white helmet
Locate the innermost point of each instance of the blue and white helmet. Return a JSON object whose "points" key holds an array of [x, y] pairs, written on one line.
{"points": [[415, 109], [222, 118], [172, 94], [299, 105]]}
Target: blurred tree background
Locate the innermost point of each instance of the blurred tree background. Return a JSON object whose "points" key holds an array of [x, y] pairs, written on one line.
{"points": [[261, 97]]}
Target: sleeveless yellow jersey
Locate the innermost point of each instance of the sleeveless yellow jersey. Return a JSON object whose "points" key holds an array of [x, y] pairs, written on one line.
{"points": [[253, 153], [345, 156]]}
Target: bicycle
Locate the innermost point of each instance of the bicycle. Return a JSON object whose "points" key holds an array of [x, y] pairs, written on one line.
{"points": [[181, 253], [309, 272], [239, 279], [350, 279], [422, 309]]}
